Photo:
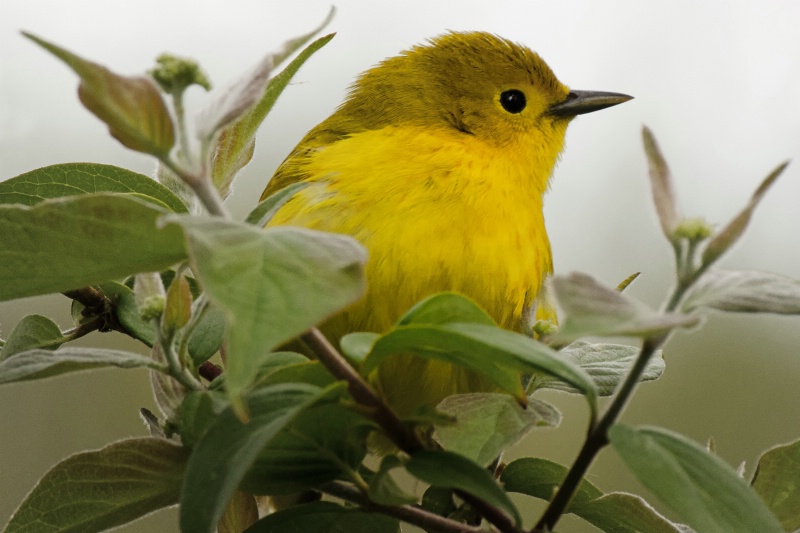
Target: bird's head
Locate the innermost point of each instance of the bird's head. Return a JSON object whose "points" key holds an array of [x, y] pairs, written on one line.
{"points": [[474, 83]]}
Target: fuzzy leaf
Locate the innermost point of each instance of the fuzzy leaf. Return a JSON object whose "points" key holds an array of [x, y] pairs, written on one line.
{"points": [[314, 448], [38, 364], [131, 106], [273, 284], [594, 309], [613, 513], [495, 353], [607, 364], [99, 490], [234, 100], [383, 488], [32, 332], [777, 481], [356, 346], [487, 423], [324, 517], [228, 447], [450, 470], [236, 143], [71, 179], [540, 478], [444, 308], [240, 513], [619, 512], [745, 292], [208, 336], [661, 186], [698, 486], [731, 233], [68, 243]]}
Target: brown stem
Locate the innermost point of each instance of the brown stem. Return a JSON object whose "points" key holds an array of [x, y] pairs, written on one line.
{"points": [[361, 391], [407, 513], [597, 439]]}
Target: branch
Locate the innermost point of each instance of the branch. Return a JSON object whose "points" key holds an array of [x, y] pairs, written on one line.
{"points": [[361, 391], [597, 439], [407, 513]]}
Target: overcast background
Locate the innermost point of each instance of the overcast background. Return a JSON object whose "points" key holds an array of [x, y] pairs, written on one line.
{"points": [[716, 81]]}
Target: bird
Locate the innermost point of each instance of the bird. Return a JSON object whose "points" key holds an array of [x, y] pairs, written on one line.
{"points": [[437, 162]]}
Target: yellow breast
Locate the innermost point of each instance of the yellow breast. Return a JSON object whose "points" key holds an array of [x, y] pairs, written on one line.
{"points": [[437, 212]]}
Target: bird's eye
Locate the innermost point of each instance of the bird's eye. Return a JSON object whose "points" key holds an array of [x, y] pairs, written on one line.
{"points": [[513, 100]]}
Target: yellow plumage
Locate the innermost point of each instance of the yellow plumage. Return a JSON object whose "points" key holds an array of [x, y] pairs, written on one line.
{"points": [[427, 167]]}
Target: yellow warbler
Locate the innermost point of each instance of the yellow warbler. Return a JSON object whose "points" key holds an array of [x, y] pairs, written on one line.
{"points": [[437, 163]]}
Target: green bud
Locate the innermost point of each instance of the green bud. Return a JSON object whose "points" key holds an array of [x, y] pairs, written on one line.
{"points": [[693, 229], [544, 327], [174, 74], [151, 307], [150, 297]]}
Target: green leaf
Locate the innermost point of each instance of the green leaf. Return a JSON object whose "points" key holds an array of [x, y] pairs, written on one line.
{"points": [[447, 469], [207, 337], [235, 145], [33, 331], [619, 512], [324, 517], [661, 186], [241, 512], [438, 500], [356, 346], [273, 284], [228, 448], [317, 446], [38, 364], [99, 490], [131, 107], [540, 478], [699, 487], [487, 423], [69, 243], [236, 99], [267, 364], [745, 292], [607, 364], [495, 353], [127, 312], [727, 237], [264, 211], [384, 490], [197, 412], [312, 372], [614, 513], [777, 481], [444, 308], [594, 309], [71, 179]]}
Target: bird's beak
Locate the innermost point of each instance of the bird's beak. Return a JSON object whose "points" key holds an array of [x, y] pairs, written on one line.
{"points": [[580, 102]]}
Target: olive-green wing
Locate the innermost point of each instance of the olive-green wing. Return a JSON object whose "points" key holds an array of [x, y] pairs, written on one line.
{"points": [[292, 169]]}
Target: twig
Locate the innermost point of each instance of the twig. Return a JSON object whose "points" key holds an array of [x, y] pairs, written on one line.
{"points": [[202, 187], [597, 439], [361, 391], [407, 513], [492, 514]]}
